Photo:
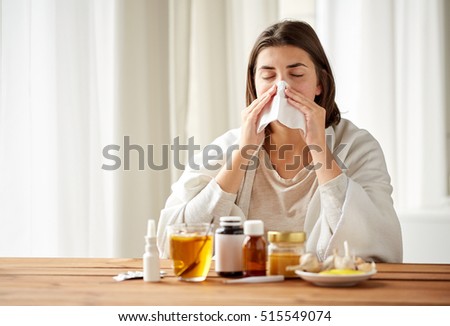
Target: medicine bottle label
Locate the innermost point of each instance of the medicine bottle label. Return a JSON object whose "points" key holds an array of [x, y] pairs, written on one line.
{"points": [[228, 252]]}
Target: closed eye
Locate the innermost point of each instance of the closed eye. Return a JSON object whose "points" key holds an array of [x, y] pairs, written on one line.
{"points": [[294, 75]]}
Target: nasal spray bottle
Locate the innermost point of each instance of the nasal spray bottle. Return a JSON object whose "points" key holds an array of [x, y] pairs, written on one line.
{"points": [[151, 255]]}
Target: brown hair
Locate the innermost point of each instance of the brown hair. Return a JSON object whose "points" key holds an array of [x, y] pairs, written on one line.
{"points": [[303, 36]]}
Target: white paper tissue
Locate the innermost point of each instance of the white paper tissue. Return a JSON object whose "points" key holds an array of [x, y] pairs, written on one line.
{"points": [[282, 111]]}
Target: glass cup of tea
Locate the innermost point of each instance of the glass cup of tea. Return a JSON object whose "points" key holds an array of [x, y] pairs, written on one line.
{"points": [[191, 250]]}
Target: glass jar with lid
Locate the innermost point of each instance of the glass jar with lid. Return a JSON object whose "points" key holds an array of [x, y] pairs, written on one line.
{"points": [[285, 249]]}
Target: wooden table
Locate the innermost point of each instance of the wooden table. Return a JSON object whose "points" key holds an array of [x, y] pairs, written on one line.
{"points": [[88, 281]]}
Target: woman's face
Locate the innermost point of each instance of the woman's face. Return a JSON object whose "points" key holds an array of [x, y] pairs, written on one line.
{"points": [[288, 63]]}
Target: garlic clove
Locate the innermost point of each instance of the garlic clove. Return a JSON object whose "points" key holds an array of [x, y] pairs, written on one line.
{"points": [[344, 263], [366, 267], [310, 263], [328, 263]]}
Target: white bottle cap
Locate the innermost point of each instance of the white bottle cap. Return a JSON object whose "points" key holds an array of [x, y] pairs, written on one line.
{"points": [[151, 230], [254, 227]]}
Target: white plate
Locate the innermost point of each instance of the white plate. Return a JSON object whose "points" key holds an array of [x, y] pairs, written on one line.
{"points": [[334, 280]]}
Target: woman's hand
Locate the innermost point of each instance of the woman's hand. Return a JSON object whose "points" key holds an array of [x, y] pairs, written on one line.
{"points": [[250, 118], [324, 163], [314, 117], [230, 179]]}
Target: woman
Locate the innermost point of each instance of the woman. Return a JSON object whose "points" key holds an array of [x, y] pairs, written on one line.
{"points": [[330, 181]]}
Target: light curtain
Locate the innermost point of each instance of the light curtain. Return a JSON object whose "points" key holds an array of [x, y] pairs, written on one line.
{"points": [[56, 109], [78, 75], [389, 64]]}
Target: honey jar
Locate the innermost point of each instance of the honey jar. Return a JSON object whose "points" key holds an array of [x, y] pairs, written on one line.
{"points": [[285, 249]]}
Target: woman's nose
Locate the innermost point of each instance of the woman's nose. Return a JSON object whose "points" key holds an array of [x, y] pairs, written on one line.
{"points": [[281, 83], [276, 82], [280, 79]]}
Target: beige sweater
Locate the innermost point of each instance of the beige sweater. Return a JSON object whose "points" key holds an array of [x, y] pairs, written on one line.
{"points": [[356, 206], [281, 203]]}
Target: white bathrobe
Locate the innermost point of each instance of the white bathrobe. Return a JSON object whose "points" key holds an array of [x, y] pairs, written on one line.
{"points": [[356, 207]]}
